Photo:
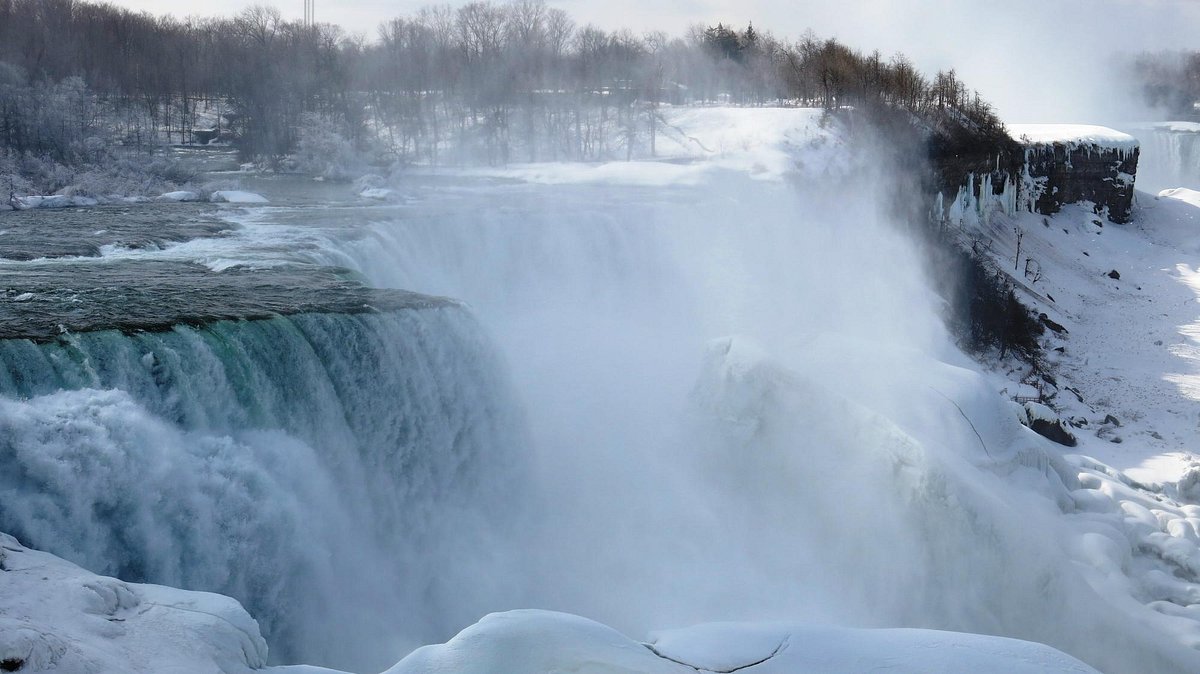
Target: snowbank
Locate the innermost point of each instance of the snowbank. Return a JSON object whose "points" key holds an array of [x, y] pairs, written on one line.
{"points": [[1073, 135], [543, 641], [237, 197], [1183, 194]]}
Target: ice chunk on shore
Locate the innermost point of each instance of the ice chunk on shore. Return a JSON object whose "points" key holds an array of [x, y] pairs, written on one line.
{"points": [[180, 195], [237, 197]]}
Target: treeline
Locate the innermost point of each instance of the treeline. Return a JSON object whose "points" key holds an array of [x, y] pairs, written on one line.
{"points": [[488, 81], [1169, 81]]}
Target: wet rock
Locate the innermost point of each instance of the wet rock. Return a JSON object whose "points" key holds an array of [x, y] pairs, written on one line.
{"points": [[1114, 275], [1054, 327]]}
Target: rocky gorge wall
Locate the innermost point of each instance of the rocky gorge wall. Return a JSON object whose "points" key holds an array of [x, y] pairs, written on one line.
{"points": [[1067, 172], [1042, 169]]}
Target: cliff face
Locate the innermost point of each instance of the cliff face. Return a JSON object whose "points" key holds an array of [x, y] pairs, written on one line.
{"points": [[1069, 172], [1041, 168]]}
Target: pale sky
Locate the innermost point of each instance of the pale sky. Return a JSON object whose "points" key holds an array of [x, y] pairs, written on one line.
{"points": [[1037, 60]]}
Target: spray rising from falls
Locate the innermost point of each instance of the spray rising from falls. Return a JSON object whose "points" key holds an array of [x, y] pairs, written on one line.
{"points": [[838, 460], [339, 474]]}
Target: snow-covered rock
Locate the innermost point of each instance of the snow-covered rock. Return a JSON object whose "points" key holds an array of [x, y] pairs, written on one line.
{"points": [[237, 197], [55, 616], [1045, 422], [544, 641]]}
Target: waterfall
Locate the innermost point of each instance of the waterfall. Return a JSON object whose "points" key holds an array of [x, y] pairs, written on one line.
{"points": [[1170, 156], [341, 475]]}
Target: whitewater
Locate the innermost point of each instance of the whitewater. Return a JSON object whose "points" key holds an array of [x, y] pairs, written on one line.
{"points": [[714, 387]]}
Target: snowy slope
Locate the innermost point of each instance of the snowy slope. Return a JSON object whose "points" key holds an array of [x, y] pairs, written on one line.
{"points": [[1126, 374], [1130, 347]]}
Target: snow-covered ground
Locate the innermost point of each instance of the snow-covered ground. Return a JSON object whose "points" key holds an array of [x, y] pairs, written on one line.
{"points": [[692, 143], [57, 617]]}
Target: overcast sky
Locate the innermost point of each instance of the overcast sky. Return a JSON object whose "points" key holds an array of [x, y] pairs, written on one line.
{"points": [[1038, 60]]}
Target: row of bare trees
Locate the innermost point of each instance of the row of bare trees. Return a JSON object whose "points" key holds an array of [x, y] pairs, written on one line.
{"points": [[1169, 81], [516, 80]]}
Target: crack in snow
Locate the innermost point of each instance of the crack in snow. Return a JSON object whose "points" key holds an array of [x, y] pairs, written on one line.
{"points": [[773, 653]]}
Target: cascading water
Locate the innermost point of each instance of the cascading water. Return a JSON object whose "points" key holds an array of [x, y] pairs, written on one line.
{"points": [[340, 474], [1170, 156]]}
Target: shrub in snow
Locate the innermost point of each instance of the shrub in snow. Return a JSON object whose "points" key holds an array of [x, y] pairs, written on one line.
{"points": [[322, 151], [369, 182]]}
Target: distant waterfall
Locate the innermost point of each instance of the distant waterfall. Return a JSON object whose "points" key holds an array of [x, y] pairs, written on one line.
{"points": [[1170, 156], [301, 465]]}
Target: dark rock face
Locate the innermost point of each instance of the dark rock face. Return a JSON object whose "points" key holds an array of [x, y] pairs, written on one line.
{"points": [[1053, 430], [1076, 172]]}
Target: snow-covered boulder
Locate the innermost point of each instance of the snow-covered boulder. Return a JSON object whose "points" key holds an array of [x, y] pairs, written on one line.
{"points": [[543, 641], [1045, 422], [55, 616], [179, 195], [237, 197]]}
